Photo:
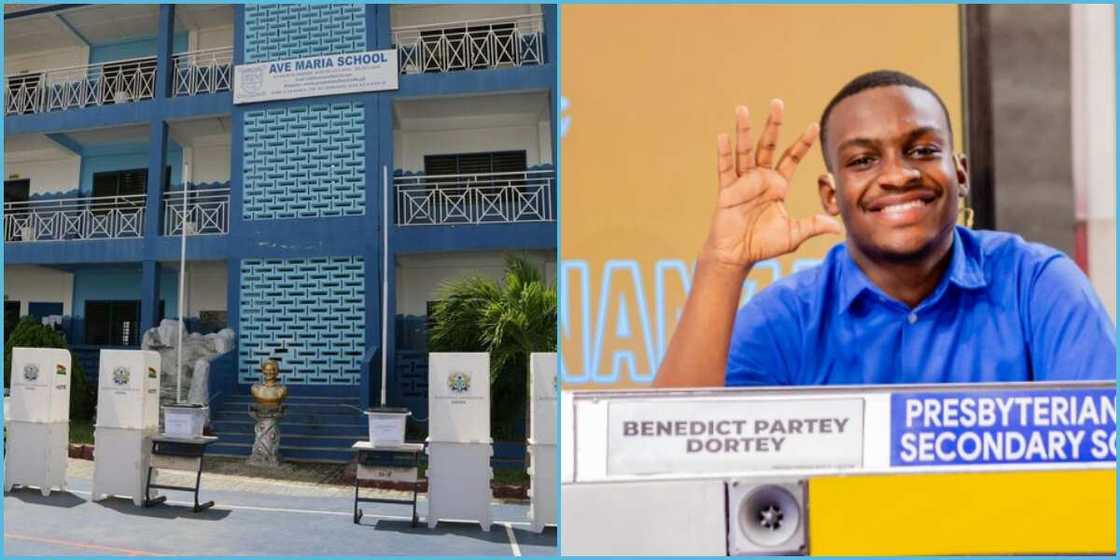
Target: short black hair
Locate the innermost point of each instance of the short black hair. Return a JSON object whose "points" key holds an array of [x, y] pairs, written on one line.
{"points": [[876, 79]]}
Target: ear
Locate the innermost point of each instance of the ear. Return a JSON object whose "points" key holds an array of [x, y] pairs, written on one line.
{"points": [[960, 161], [826, 188]]}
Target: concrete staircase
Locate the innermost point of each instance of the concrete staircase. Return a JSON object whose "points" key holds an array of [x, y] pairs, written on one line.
{"points": [[315, 428]]}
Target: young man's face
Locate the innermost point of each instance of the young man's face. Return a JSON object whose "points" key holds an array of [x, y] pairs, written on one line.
{"points": [[896, 178]]}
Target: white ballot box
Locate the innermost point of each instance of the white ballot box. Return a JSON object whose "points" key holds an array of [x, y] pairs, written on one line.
{"points": [[541, 449], [128, 389], [542, 404], [459, 444], [459, 397], [40, 385], [38, 422], [841, 471], [127, 419]]}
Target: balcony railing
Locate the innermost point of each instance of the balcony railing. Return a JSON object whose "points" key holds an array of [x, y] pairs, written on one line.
{"points": [[205, 71], [105, 83], [492, 198], [106, 217], [207, 211], [470, 45]]}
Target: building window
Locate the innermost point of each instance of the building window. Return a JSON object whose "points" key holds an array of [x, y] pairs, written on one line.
{"points": [[475, 164], [11, 317], [18, 190], [113, 323], [120, 183]]}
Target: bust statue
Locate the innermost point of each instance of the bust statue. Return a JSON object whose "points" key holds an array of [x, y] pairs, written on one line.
{"points": [[271, 392]]}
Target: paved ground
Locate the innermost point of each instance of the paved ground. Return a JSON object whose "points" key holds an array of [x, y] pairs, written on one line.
{"points": [[252, 517]]}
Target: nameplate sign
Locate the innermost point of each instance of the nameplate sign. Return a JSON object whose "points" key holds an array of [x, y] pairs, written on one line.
{"points": [[1003, 427], [733, 435], [316, 75]]}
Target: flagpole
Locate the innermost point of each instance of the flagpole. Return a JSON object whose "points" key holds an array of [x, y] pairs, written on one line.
{"points": [[182, 284], [384, 281]]}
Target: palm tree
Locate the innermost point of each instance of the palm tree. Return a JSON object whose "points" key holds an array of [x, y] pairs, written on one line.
{"points": [[509, 320]]}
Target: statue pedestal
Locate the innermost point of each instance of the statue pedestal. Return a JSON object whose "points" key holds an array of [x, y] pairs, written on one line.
{"points": [[266, 445]]}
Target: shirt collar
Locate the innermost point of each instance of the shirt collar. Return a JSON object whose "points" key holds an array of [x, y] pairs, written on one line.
{"points": [[966, 270]]}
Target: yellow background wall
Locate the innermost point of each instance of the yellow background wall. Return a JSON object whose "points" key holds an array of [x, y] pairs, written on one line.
{"points": [[648, 88]]}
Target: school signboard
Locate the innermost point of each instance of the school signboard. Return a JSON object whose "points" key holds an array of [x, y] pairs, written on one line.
{"points": [[315, 76]]}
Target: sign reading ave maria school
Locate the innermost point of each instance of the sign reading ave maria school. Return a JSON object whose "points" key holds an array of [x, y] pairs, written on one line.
{"points": [[316, 75], [733, 435]]}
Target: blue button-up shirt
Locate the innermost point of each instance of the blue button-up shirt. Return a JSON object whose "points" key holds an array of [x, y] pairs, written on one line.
{"points": [[1005, 310]]}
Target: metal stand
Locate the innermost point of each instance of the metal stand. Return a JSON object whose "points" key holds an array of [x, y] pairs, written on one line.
{"points": [[179, 454], [397, 463]]}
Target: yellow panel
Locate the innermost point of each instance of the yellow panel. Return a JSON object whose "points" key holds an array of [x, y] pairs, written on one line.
{"points": [[1063, 512]]}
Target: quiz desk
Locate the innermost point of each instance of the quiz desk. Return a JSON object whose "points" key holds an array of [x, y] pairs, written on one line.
{"points": [[978, 469]]}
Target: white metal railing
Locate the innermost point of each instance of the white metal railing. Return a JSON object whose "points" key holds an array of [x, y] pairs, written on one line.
{"points": [[105, 83], [106, 217], [207, 212], [491, 198], [204, 71], [470, 45]]}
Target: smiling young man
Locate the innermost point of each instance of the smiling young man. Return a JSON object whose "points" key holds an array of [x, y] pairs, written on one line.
{"points": [[910, 297]]}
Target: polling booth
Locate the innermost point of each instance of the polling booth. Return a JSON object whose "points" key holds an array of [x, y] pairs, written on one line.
{"points": [[1026, 468], [127, 419], [38, 419], [459, 444], [542, 440]]}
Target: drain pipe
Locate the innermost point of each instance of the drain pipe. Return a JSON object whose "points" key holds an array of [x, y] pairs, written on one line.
{"points": [[384, 282]]}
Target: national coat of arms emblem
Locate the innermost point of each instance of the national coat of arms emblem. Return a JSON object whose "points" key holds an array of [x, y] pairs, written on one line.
{"points": [[121, 375], [31, 372], [459, 382]]}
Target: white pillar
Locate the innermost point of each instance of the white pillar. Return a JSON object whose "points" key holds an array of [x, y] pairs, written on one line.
{"points": [[1093, 102]]}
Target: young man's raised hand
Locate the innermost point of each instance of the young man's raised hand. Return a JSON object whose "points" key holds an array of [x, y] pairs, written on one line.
{"points": [[751, 223]]}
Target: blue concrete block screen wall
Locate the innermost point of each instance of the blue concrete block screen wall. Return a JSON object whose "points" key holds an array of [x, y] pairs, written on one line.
{"points": [[309, 177]]}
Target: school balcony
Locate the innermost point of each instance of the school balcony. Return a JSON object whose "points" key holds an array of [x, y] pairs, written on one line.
{"points": [[99, 64], [87, 196], [456, 49], [473, 173]]}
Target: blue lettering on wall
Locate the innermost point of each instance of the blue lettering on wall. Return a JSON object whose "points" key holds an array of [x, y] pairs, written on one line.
{"points": [[625, 343]]}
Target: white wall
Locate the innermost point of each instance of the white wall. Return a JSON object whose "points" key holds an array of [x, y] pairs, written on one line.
{"points": [[212, 37], [210, 163], [410, 146], [1093, 102], [25, 283], [426, 14], [419, 277], [47, 176], [206, 287], [46, 60]]}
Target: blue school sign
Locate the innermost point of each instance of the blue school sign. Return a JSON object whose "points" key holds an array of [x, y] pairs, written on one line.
{"points": [[1003, 427]]}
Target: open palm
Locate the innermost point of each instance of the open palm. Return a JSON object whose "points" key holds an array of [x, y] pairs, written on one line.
{"points": [[751, 223]]}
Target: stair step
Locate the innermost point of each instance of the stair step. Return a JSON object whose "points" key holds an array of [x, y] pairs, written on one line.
{"points": [[247, 427], [339, 441], [297, 418]]}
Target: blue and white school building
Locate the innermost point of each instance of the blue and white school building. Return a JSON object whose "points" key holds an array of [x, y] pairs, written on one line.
{"points": [[113, 112]]}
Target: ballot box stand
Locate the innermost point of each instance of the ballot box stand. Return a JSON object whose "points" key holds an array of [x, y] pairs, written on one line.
{"points": [[181, 454], [38, 419], [541, 449], [459, 446], [389, 463], [127, 421]]}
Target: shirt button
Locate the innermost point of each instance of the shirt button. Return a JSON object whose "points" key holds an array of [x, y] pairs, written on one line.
{"points": [[913, 318]]}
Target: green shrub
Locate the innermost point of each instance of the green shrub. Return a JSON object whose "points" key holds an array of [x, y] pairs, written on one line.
{"points": [[509, 320], [30, 333]]}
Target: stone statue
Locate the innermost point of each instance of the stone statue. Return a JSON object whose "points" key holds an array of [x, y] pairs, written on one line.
{"points": [[198, 351], [267, 409]]}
